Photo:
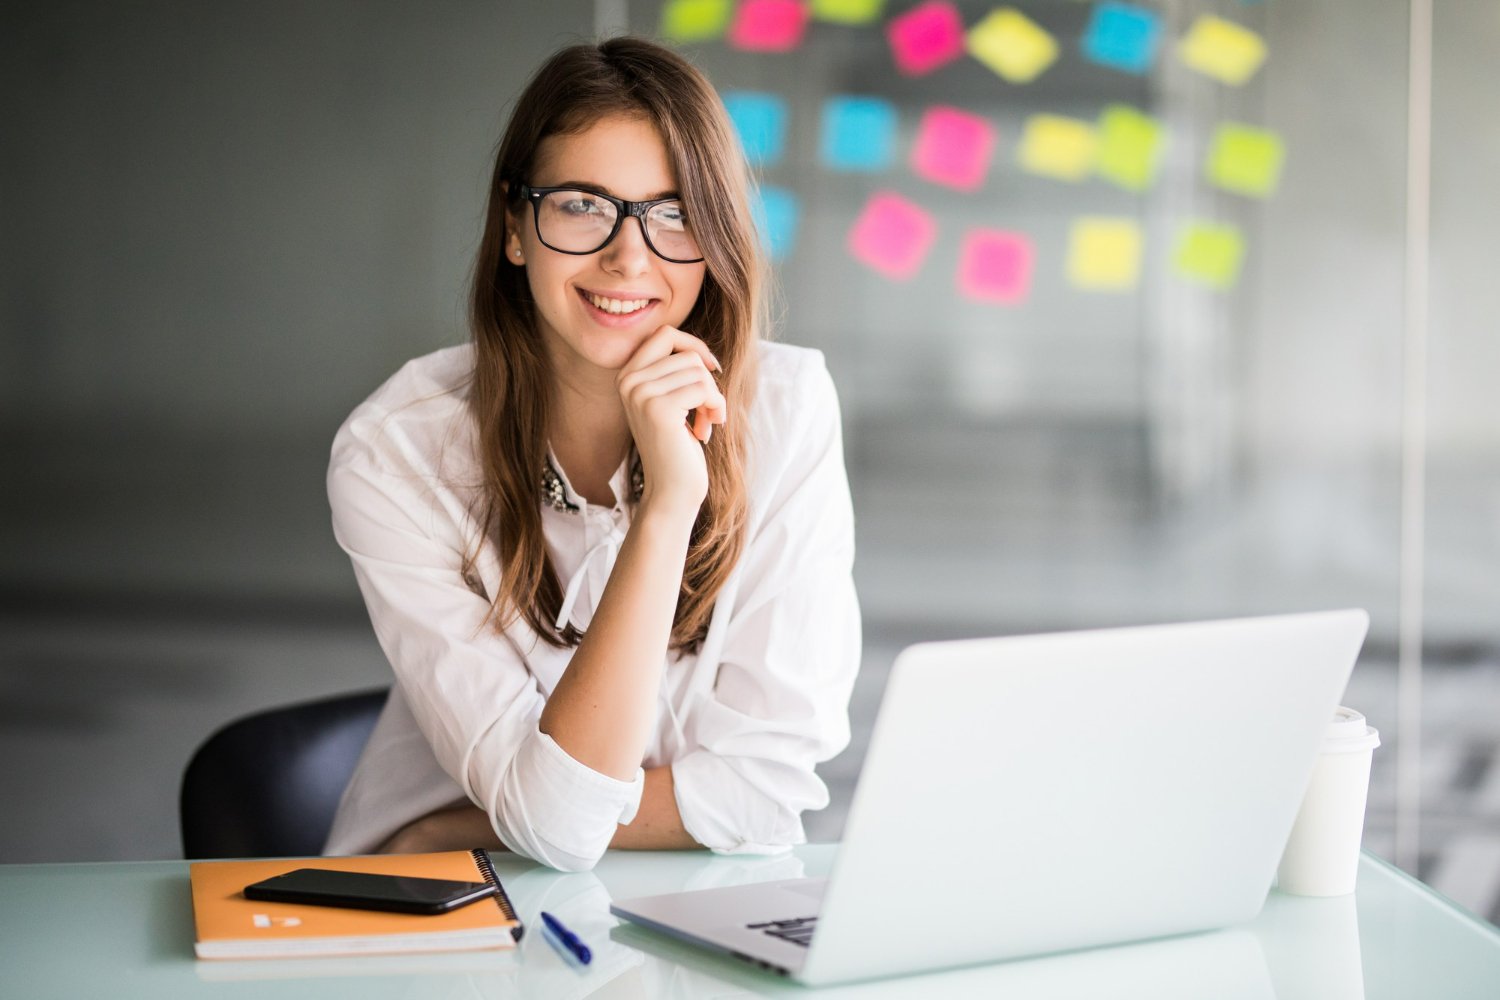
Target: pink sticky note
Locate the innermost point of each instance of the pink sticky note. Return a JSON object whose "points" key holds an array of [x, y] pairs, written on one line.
{"points": [[954, 148], [926, 37], [995, 266], [768, 25], [892, 235]]}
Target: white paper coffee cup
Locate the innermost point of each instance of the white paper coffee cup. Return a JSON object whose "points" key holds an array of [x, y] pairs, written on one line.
{"points": [[1322, 853]]}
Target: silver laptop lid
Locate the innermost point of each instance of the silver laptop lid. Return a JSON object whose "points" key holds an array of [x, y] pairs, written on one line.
{"points": [[1039, 793]]}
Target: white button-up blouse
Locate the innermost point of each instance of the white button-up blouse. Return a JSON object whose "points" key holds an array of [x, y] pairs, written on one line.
{"points": [[742, 723]]}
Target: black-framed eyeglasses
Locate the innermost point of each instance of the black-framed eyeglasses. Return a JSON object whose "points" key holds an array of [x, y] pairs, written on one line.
{"points": [[578, 221]]}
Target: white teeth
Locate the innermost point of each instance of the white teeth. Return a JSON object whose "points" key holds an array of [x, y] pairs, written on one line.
{"points": [[617, 306]]}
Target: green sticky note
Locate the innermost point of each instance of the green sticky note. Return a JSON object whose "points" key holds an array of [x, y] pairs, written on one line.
{"points": [[1210, 254], [1130, 147], [1245, 159], [847, 11], [695, 20]]}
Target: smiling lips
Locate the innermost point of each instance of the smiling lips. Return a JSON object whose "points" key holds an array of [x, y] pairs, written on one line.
{"points": [[616, 307]]}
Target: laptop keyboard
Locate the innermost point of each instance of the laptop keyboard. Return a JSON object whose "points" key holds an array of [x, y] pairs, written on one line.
{"points": [[797, 931]]}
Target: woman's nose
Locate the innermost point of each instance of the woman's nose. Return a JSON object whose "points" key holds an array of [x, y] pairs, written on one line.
{"points": [[628, 252]]}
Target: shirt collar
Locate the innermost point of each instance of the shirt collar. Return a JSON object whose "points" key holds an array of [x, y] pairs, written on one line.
{"points": [[627, 484]]}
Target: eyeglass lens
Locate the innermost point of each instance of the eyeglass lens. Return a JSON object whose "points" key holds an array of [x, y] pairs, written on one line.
{"points": [[581, 222]]}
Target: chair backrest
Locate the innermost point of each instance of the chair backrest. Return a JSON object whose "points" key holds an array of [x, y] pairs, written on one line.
{"points": [[268, 785]]}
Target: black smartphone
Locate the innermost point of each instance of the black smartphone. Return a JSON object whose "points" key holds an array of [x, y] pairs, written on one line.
{"points": [[368, 891]]}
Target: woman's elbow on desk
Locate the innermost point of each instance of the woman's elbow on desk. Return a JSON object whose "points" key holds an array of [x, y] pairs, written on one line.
{"points": [[466, 827]]}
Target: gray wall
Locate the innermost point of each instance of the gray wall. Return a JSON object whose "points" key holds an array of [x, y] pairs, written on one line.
{"points": [[224, 224]]}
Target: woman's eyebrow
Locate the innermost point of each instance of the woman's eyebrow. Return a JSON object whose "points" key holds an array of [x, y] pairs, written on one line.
{"points": [[601, 189]]}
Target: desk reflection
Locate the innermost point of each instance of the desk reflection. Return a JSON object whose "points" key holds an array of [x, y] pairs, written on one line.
{"points": [[1224, 965], [1297, 949], [1312, 946]]}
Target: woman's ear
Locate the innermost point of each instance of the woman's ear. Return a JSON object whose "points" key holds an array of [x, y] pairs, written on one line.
{"points": [[514, 252]]}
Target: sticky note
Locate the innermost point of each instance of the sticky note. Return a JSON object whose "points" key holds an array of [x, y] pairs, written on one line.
{"points": [[1222, 49], [1245, 159], [1104, 253], [953, 148], [892, 235], [1012, 44], [1122, 36], [760, 119], [768, 25], [776, 210], [1209, 253], [1058, 147], [926, 37], [694, 20], [1130, 147], [995, 266], [859, 133], [847, 11]]}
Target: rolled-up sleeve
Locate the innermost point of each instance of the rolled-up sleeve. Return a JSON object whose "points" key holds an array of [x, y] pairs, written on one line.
{"points": [[468, 685], [779, 702]]}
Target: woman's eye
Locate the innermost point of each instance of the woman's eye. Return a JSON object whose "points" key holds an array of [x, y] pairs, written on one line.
{"points": [[672, 215], [581, 206]]}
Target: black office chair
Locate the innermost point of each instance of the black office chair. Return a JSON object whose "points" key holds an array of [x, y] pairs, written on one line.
{"points": [[267, 785]]}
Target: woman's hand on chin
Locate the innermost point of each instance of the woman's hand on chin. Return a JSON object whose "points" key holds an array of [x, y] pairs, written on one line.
{"points": [[672, 403]]}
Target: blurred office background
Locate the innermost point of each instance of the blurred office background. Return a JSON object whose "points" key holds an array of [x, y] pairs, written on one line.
{"points": [[224, 225]]}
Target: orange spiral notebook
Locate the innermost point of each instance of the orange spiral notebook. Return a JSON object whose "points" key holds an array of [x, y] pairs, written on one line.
{"points": [[231, 926]]}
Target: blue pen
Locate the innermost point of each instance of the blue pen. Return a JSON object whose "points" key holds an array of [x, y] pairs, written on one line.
{"points": [[568, 938]]}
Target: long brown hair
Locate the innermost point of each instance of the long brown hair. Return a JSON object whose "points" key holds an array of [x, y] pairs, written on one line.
{"points": [[512, 383]]}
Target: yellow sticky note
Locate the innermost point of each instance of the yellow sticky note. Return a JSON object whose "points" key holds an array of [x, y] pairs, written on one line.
{"points": [[1104, 253], [1210, 254], [1054, 146], [847, 11], [1012, 44], [1245, 159], [695, 20], [1130, 147], [1226, 51]]}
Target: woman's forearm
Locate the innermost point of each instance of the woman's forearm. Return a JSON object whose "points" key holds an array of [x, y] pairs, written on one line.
{"points": [[657, 826], [604, 706], [658, 823]]}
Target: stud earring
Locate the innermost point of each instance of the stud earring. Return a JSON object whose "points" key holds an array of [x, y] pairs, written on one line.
{"points": [[516, 253]]}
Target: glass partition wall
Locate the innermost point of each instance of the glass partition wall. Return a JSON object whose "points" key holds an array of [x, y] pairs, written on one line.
{"points": [[1113, 294], [1460, 765]]}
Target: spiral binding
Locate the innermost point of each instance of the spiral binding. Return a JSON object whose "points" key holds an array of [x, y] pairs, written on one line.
{"points": [[482, 861]]}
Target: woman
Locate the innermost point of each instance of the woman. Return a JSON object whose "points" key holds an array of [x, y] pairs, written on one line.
{"points": [[607, 548]]}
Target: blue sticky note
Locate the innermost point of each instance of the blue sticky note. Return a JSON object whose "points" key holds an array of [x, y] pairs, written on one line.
{"points": [[760, 120], [1122, 36], [859, 133], [775, 212]]}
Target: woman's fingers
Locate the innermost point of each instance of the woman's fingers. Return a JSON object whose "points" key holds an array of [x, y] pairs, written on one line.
{"points": [[667, 388], [684, 389], [668, 361], [670, 365], [671, 401], [666, 342]]}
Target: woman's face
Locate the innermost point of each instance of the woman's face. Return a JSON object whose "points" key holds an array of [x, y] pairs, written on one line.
{"points": [[596, 309]]}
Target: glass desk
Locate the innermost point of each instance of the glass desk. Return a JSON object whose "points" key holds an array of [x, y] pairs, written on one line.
{"points": [[125, 930]]}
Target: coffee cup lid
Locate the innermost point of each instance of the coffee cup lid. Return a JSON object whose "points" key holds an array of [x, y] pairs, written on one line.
{"points": [[1349, 733]]}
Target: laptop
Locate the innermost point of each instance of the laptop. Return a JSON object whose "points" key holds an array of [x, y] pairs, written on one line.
{"points": [[1036, 794]]}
